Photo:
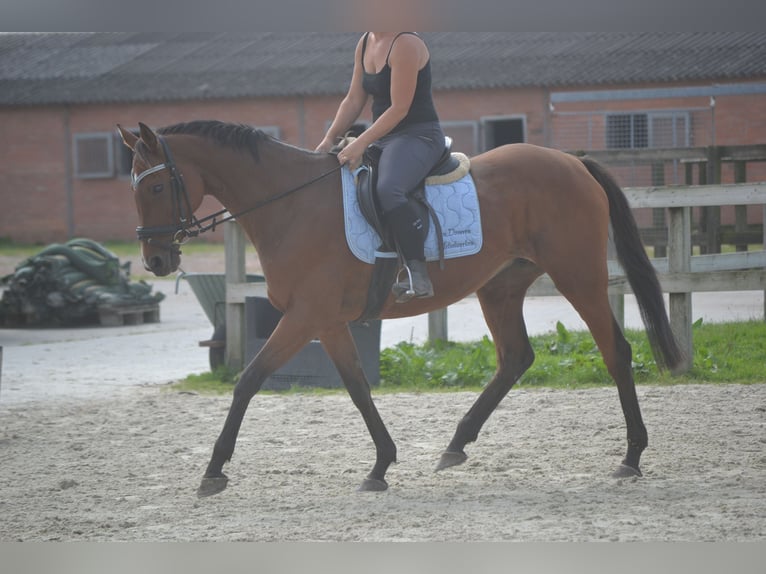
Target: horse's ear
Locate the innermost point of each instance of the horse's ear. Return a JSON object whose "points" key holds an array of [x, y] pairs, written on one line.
{"points": [[149, 137], [128, 137]]}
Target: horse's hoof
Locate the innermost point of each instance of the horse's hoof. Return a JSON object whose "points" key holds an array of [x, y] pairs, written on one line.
{"points": [[450, 458], [212, 485], [373, 485], [625, 471]]}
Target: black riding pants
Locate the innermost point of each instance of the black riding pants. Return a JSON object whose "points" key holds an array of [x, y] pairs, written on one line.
{"points": [[407, 157]]}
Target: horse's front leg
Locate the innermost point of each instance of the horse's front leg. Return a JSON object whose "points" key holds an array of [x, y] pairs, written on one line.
{"points": [[288, 338], [341, 348]]}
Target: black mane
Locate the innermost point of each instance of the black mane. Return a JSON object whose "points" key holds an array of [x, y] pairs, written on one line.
{"points": [[236, 136]]}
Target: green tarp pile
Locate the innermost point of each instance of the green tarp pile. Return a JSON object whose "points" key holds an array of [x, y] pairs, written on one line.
{"points": [[65, 284]]}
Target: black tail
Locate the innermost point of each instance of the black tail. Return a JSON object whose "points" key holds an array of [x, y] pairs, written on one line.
{"points": [[639, 270]]}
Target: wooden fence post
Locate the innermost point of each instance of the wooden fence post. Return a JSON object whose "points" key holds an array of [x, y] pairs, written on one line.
{"points": [[679, 261], [713, 224], [234, 249], [740, 211], [658, 214], [704, 211], [437, 325], [616, 301]]}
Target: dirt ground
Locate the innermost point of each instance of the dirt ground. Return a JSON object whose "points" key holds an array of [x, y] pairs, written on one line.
{"points": [[127, 469], [123, 464]]}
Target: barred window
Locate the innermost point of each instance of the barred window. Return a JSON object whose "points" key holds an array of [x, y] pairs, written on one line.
{"points": [[653, 129], [627, 131], [94, 155]]}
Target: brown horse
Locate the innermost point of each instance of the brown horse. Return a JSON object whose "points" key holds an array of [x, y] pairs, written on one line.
{"points": [[542, 211]]}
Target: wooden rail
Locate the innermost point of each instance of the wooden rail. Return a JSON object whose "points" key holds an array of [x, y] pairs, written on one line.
{"points": [[708, 162]]}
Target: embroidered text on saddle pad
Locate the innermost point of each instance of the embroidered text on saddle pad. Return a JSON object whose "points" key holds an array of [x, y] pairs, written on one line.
{"points": [[456, 205]]}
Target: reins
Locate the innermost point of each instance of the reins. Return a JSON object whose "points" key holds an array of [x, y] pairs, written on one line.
{"points": [[211, 227], [189, 225]]}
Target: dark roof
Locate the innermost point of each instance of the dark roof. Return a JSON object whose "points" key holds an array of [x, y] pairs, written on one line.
{"points": [[52, 68]]}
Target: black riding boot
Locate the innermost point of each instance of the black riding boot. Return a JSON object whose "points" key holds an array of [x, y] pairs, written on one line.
{"points": [[409, 233]]}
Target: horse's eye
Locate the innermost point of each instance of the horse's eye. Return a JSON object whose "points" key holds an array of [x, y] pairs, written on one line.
{"points": [[158, 188]]}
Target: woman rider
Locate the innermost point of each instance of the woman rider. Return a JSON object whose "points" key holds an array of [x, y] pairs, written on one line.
{"points": [[395, 69]]}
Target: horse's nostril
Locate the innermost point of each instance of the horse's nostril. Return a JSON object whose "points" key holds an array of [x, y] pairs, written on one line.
{"points": [[155, 263]]}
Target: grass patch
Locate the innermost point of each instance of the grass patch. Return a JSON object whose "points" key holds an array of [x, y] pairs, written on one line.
{"points": [[222, 380], [723, 353], [216, 382]]}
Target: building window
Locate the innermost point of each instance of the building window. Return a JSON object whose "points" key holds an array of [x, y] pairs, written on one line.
{"points": [[94, 155], [627, 131], [669, 129], [643, 130]]}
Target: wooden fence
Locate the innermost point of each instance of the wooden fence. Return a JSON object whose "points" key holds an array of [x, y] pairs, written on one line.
{"points": [[706, 166], [680, 273]]}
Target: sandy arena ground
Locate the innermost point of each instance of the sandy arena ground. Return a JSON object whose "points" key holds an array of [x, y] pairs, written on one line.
{"points": [[96, 447], [127, 469]]}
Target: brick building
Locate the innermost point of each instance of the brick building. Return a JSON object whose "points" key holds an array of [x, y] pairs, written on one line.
{"points": [[64, 173]]}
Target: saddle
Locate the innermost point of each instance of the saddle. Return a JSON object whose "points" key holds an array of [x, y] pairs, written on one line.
{"points": [[450, 167]]}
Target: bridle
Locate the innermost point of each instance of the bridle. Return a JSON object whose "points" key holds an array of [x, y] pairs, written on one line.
{"points": [[187, 225]]}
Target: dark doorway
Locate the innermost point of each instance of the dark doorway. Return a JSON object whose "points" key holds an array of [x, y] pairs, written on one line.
{"points": [[501, 131]]}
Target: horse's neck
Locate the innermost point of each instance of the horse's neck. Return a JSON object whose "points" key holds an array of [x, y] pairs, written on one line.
{"points": [[287, 165], [246, 183], [237, 180]]}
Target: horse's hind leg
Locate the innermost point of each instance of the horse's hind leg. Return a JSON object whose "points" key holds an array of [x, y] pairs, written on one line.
{"points": [[587, 292], [342, 350], [501, 301]]}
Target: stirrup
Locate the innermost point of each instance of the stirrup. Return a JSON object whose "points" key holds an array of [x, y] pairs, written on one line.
{"points": [[409, 293]]}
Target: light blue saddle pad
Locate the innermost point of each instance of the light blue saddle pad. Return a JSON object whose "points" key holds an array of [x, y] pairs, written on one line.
{"points": [[456, 207]]}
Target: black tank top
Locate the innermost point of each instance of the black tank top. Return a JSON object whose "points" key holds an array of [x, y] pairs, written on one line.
{"points": [[379, 86]]}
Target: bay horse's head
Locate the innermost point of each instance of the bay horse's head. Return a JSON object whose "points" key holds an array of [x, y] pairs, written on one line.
{"points": [[165, 199]]}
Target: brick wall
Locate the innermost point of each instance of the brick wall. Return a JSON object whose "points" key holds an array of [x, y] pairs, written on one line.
{"points": [[42, 203], [33, 189]]}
